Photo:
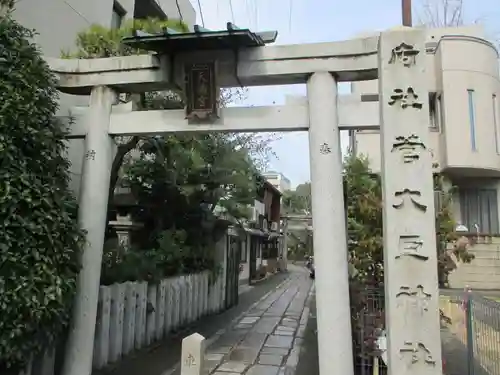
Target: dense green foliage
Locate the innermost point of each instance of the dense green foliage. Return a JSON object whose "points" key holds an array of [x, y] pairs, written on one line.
{"points": [[184, 181], [39, 237], [99, 41], [182, 184], [364, 220], [170, 257]]}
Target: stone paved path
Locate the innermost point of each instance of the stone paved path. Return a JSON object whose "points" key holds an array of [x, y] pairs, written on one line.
{"points": [[267, 339]]}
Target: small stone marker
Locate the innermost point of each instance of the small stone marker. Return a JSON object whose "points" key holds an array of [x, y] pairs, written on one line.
{"points": [[193, 354]]}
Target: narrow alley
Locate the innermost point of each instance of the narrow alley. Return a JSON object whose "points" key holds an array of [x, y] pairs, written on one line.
{"points": [[262, 335]]}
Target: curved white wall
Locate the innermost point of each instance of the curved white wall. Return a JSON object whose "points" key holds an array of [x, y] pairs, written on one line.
{"points": [[468, 63]]}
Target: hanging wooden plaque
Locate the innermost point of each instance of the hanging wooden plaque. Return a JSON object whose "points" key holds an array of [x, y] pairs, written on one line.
{"points": [[202, 91]]}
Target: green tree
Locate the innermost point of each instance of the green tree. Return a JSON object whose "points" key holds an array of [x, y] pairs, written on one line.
{"points": [[184, 182], [39, 239], [364, 219]]}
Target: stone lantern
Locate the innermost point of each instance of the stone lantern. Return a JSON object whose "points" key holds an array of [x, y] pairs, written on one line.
{"points": [[123, 225]]}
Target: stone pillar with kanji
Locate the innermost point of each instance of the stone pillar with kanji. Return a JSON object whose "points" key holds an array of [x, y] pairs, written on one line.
{"points": [[410, 256]]}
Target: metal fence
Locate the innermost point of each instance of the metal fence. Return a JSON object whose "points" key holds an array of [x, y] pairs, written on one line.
{"points": [[470, 333], [368, 323]]}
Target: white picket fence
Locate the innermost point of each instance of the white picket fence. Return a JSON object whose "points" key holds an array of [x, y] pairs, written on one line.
{"points": [[133, 315]]}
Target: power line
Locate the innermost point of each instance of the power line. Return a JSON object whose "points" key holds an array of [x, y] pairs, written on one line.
{"points": [[252, 13], [232, 11], [247, 6], [179, 10], [201, 14], [256, 13]]}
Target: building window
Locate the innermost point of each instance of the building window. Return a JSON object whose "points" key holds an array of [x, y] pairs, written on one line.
{"points": [[472, 119], [117, 16], [479, 209], [434, 111], [495, 122]]}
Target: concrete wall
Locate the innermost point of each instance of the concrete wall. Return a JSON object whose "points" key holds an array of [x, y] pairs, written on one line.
{"points": [[59, 21]]}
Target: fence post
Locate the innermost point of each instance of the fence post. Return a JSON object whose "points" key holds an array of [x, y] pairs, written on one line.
{"points": [[193, 354], [470, 333]]}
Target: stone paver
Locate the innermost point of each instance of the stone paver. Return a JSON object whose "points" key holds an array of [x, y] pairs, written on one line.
{"points": [[233, 366], [267, 339], [275, 341], [270, 359], [263, 370], [276, 351]]}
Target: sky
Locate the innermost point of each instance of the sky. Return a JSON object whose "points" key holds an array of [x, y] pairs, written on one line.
{"points": [[312, 21]]}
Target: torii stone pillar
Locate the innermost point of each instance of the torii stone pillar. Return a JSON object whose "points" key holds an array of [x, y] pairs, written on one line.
{"points": [[410, 258], [329, 228], [92, 213]]}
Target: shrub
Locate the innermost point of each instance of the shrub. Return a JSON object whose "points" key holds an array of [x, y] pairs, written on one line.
{"points": [[39, 237], [171, 257]]}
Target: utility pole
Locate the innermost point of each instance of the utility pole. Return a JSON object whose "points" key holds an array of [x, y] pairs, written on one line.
{"points": [[406, 10]]}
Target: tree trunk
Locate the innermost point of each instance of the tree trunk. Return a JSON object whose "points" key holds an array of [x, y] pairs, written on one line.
{"points": [[122, 151]]}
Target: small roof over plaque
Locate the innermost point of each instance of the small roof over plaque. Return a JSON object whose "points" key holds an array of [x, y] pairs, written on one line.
{"points": [[171, 41]]}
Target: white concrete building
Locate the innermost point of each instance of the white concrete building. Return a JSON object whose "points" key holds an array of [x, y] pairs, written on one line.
{"points": [[58, 22], [278, 180], [464, 94], [463, 80]]}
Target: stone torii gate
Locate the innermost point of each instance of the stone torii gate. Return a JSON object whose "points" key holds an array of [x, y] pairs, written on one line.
{"points": [[397, 58]]}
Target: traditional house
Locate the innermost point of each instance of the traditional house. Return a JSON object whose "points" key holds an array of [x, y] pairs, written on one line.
{"points": [[261, 246]]}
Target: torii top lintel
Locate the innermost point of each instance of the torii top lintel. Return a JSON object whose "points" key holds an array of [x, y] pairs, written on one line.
{"points": [[243, 58], [173, 42]]}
